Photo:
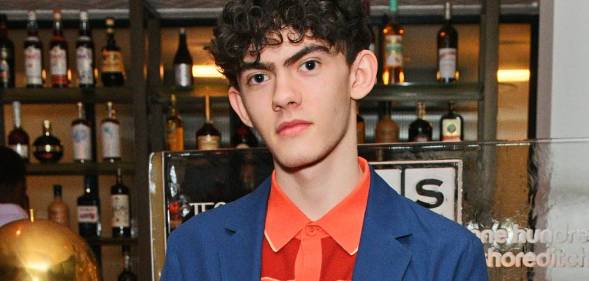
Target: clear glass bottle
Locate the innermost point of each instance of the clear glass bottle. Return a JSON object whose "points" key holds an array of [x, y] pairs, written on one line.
{"points": [[58, 210], [82, 136], [6, 56], [58, 53], [174, 128], [392, 47], [85, 54], [110, 135], [33, 50]]}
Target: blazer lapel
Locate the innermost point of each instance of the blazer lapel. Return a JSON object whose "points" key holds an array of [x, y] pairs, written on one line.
{"points": [[241, 244], [382, 255]]}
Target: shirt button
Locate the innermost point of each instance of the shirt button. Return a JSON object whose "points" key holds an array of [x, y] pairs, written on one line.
{"points": [[311, 230]]}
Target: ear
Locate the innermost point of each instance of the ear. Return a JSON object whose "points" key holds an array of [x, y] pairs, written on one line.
{"points": [[363, 74], [237, 105]]}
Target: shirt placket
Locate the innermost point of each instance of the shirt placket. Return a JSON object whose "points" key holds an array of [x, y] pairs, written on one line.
{"points": [[309, 256]]}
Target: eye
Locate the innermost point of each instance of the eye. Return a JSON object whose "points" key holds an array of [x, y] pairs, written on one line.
{"points": [[309, 65], [257, 78]]}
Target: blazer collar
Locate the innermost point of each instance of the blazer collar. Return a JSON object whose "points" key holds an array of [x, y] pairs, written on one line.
{"points": [[386, 229], [241, 247], [387, 226]]}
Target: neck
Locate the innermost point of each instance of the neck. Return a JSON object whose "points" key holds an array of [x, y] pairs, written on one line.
{"points": [[317, 188]]}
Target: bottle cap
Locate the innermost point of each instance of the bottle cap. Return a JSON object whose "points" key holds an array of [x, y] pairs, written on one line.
{"points": [[57, 189], [110, 22], [182, 30], [83, 16], [57, 14]]}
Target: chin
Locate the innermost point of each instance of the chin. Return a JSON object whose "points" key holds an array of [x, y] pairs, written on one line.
{"points": [[292, 159]]}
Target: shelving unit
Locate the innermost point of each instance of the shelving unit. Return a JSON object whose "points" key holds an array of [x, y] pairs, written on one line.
{"points": [[67, 95], [77, 169], [144, 91]]}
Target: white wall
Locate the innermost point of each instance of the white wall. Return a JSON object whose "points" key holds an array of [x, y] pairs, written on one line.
{"points": [[563, 107]]}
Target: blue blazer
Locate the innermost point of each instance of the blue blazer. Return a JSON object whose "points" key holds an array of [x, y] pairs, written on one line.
{"points": [[400, 241]]}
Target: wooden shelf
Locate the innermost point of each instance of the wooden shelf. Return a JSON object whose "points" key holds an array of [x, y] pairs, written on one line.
{"points": [[118, 95], [79, 169], [111, 241], [426, 92]]}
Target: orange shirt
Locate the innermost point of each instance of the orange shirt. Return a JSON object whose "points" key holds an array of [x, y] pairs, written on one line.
{"points": [[296, 248]]}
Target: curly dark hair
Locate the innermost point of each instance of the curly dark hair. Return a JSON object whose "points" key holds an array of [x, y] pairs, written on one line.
{"points": [[247, 26]]}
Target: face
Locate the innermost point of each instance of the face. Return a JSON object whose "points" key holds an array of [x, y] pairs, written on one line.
{"points": [[298, 98]]}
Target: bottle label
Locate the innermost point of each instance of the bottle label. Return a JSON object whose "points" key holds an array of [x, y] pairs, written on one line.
{"points": [[84, 63], [33, 64], [393, 51], [4, 71], [112, 61], [21, 149], [48, 148], [120, 210], [87, 214], [59, 215], [58, 61], [82, 143], [208, 142], [451, 129], [175, 138], [447, 62], [421, 138], [111, 140], [183, 74]]}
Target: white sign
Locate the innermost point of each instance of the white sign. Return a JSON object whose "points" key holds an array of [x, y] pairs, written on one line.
{"points": [[436, 184]]}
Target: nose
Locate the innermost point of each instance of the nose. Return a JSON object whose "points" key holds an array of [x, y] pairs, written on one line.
{"points": [[286, 94]]}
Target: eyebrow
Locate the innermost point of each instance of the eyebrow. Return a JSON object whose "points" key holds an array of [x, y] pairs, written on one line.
{"points": [[289, 61]]}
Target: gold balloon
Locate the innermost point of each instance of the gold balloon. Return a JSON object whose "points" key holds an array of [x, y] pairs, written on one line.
{"points": [[40, 250]]}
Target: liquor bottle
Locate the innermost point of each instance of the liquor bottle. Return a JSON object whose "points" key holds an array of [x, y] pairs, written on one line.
{"points": [[420, 130], [366, 7], [451, 125], [392, 48], [58, 54], [127, 274], [48, 148], [174, 128], [387, 130], [183, 63], [360, 126], [242, 136], [6, 56], [208, 137], [18, 139], [58, 211], [89, 210], [85, 54], [82, 137], [447, 49], [33, 54], [111, 138], [113, 69], [119, 198]]}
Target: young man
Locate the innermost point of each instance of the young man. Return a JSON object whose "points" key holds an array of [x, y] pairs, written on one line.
{"points": [[13, 194], [297, 69]]}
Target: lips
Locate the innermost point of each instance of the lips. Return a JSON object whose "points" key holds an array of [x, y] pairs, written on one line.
{"points": [[293, 127]]}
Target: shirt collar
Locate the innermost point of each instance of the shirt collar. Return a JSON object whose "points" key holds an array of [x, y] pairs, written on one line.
{"points": [[343, 222]]}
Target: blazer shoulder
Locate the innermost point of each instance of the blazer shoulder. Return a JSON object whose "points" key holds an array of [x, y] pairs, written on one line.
{"points": [[432, 224]]}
